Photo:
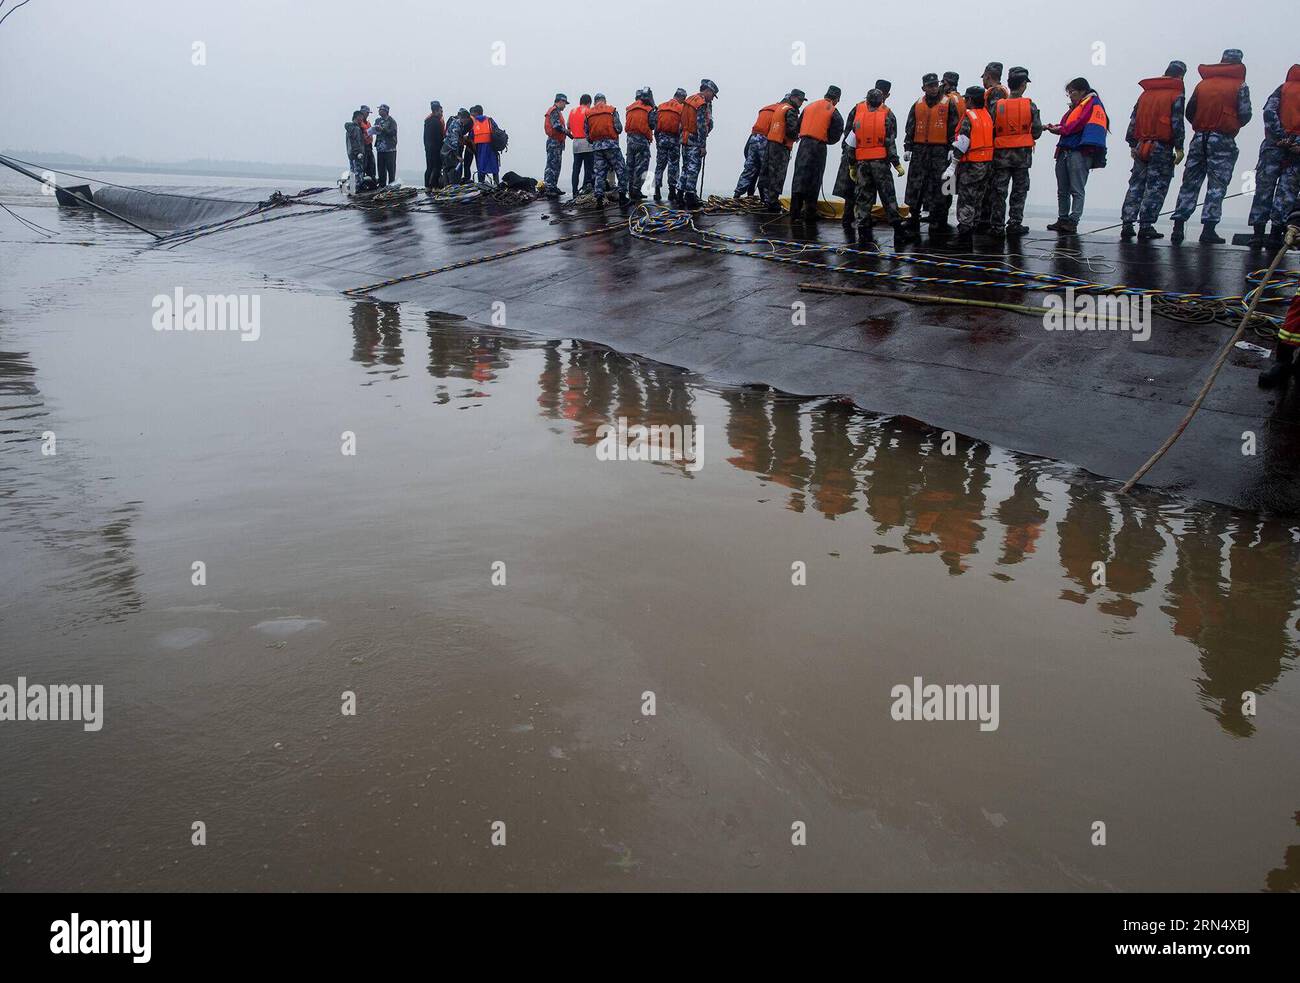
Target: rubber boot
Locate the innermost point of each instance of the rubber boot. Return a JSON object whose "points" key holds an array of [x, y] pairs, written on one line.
{"points": [[965, 238], [1150, 232], [1179, 231], [1016, 231], [796, 207], [1127, 232], [1282, 368], [1209, 236], [1276, 237], [865, 236], [692, 202], [1260, 237], [902, 234], [624, 199], [737, 195]]}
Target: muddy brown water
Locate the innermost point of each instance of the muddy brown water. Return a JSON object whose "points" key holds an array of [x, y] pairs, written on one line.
{"points": [[522, 703]]}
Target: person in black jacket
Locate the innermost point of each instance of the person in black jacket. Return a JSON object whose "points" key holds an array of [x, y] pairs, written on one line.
{"points": [[434, 130]]}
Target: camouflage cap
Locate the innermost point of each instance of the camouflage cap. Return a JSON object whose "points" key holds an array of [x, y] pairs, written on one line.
{"points": [[709, 84], [1177, 68], [561, 97], [885, 86], [875, 97], [383, 106], [599, 95], [833, 92], [435, 104], [929, 78], [679, 94], [975, 92], [797, 94], [1018, 75], [1232, 56], [994, 68], [364, 108], [952, 78]]}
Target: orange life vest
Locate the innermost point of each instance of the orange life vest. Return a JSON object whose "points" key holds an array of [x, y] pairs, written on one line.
{"points": [[365, 132], [1002, 91], [1014, 125], [689, 121], [816, 122], [981, 136], [1289, 112], [869, 131], [958, 103], [551, 132], [1216, 99], [930, 123], [776, 131], [600, 122], [764, 121], [637, 120], [483, 130], [670, 117], [578, 122], [1154, 122]]}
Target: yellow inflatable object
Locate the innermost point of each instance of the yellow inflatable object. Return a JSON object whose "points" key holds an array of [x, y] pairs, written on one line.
{"points": [[835, 209]]}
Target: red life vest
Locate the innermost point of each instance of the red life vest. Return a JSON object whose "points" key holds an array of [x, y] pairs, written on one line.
{"points": [[931, 122], [600, 122], [551, 131], [981, 136], [578, 122], [869, 131], [816, 122], [1014, 125], [365, 132], [958, 103], [1289, 111], [482, 130], [1216, 99], [637, 119], [1155, 109], [776, 130], [670, 117], [764, 121], [689, 121]]}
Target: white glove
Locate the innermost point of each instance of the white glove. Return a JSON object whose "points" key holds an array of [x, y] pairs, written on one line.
{"points": [[950, 173], [907, 156]]}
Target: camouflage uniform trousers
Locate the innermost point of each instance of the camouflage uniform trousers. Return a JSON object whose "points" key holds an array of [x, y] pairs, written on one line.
{"points": [[925, 181], [554, 160], [1010, 174], [638, 159], [606, 155], [809, 168], [1148, 186], [1268, 173], [755, 147], [875, 177], [1288, 192], [668, 156], [973, 180], [692, 162], [1210, 158], [776, 161]]}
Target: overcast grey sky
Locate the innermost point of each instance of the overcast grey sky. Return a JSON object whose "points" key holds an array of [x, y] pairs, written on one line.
{"points": [[116, 76]]}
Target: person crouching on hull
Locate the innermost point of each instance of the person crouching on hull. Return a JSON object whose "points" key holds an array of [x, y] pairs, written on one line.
{"points": [[973, 149], [875, 147]]}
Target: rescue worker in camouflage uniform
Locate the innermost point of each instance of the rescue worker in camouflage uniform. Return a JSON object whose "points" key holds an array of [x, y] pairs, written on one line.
{"points": [[951, 92], [874, 144], [355, 144], [781, 135], [930, 130], [603, 128], [668, 144], [1156, 135], [846, 175], [1279, 153], [1016, 127], [556, 131], [640, 122], [994, 91], [697, 123], [973, 150], [1218, 109], [452, 144], [820, 125], [755, 148]]}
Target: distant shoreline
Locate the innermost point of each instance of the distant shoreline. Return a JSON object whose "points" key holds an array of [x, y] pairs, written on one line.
{"points": [[240, 169]]}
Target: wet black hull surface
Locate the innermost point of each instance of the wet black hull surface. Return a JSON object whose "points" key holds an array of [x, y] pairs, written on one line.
{"points": [[1098, 399]]}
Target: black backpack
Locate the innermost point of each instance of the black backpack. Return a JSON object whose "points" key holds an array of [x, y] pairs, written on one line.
{"points": [[500, 138]]}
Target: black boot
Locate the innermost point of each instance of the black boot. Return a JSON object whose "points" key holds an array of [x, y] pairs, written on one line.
{"points": [[865, 235], [1209, 236], [691, 201], [1127, 232], [1150, 232], [1280, 371], [659, 195], [902, 234], [796, 207], [1276, 237], [1261, 235], [1177, 235]]}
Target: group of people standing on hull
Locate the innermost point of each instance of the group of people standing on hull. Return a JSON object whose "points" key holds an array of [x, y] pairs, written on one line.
{"points": [[471, 142], [677, 129]]}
